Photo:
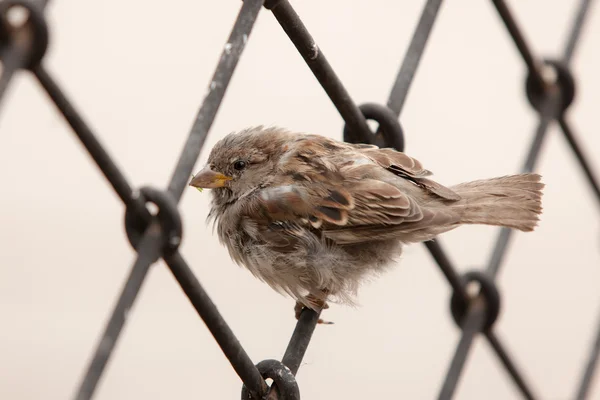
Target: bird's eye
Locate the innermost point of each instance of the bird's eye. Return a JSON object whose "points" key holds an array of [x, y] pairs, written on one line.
{"points": [[239, 165]]}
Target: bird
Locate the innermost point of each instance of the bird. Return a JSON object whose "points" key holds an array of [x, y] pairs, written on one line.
{"points": [[314, 217]]}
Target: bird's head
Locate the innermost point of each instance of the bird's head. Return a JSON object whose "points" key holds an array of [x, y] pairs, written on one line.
{"points": [[241, 163]]}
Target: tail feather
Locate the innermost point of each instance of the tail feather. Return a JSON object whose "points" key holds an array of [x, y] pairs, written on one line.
{"points": [[511, 201]]}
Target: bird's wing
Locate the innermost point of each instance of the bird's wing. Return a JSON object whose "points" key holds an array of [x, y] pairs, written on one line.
{"points": [[343, 193], [406, 167]]}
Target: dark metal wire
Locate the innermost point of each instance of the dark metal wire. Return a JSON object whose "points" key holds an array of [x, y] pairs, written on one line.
{"points": [[300, 339], [510, 366], [216, 91], [318, 64], [470, 326], [583, 162], [573, 40], [222, 333], [442, 260], [102, 159], [111, 333], [413, 55], [532, 63], [473, 323], [12, 60], [576, 28]]}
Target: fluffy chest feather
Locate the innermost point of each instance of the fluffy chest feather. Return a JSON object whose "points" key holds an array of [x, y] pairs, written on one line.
{"points": [[296, 259]]}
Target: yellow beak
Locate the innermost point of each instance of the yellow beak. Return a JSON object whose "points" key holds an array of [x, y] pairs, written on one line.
{"points": [[209, 179]]}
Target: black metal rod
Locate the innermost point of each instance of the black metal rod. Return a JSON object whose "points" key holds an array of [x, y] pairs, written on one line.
{"points": [[581, 158], [216, 91], [590, 367], [300, 339], [576, 28], [239, 359], [538, 141], [470, 326], [105, 347], [318, 64], [413, 56], [102, 159], [442, 260], [12, 60], [500, 247], [548, 111], [520, 42], [509, 365]]}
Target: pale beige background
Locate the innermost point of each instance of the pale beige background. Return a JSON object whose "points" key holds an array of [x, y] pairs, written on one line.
{"points": [[137, 70]]}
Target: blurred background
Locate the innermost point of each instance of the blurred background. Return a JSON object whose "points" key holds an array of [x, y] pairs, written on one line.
{"points": [[137, 71]]}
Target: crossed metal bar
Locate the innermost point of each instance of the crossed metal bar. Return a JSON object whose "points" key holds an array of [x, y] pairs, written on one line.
{"points": [[158, 236]]}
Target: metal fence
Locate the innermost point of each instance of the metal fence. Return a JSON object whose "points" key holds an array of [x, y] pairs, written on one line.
{"points": [[550, 88]]}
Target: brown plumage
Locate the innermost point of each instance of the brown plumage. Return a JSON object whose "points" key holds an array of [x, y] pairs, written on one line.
{"points": [[312, 216]]}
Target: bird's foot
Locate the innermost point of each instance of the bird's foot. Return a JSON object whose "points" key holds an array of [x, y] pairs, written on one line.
{"points": [[316, 304]]}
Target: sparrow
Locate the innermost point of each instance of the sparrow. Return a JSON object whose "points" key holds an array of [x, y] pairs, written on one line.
{"points": [[314, 217]]}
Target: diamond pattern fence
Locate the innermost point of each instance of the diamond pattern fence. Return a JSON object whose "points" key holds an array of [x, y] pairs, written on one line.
{"points": [[550, 88]]}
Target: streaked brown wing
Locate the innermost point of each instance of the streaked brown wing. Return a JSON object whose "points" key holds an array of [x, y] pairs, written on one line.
{"points": [[408, 168], [334, 188]]}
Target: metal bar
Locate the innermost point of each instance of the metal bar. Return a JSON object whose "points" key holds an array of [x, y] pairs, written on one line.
{"points": [[470, 326], [413, 56], [88, 139], [500, 247], [105, 347], [239, 359], [216, 91], [548, 111], [442, 260], [12, 58], [300, 339], [509, 365], [577, 27], [583, 162], [591, 365], [519, 39], [318, 64]]}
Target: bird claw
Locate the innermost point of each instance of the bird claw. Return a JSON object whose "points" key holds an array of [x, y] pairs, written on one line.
{"points": [[320, 321], [320, 304]]}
